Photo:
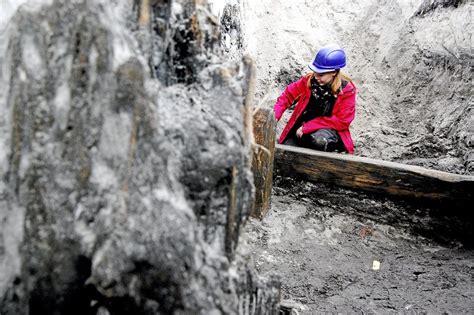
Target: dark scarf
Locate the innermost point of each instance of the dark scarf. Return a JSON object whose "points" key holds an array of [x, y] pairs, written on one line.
{"points": [[322, 93], [322, 100]]}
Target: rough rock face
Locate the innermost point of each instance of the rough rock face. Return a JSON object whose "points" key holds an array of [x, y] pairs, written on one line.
{"points": [[121, 193]]}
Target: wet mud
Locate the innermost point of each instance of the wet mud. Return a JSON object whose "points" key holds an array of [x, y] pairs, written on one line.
{"points": [[324, 243]]}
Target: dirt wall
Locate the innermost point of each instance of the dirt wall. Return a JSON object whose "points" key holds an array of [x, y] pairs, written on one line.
{"points": [[411, 61]]}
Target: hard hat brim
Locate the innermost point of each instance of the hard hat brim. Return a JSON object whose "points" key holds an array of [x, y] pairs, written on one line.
{"points": [[320, 70]]}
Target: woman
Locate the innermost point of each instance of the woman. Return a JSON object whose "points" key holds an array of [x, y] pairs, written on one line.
{"points": [[325, 105]]}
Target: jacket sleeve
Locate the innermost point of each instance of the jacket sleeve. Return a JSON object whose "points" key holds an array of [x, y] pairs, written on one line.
{"points": [[289, 96], [340, 120]]}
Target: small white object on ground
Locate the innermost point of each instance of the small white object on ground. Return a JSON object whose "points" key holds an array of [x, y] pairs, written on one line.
{"points": [[375, 265]]}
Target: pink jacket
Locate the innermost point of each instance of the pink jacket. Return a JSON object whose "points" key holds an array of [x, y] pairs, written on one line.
{"points": [[343, 112]]}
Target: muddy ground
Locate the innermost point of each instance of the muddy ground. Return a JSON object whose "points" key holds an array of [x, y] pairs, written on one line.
{"points": [[322, 242]]}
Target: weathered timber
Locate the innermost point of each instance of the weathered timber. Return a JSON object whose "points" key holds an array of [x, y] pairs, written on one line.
{"points": [[144, 18], [264, 126], [374, 175]]}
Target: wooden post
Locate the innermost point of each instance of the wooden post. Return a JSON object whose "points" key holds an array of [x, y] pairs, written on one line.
{"points": [[264, 125], [144, 17]]}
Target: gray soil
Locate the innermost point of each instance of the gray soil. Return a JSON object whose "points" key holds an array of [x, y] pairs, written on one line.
{"points": [[322, 242]]}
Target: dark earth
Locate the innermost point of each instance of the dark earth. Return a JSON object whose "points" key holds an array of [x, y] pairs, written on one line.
{"points": [[323, 240]]}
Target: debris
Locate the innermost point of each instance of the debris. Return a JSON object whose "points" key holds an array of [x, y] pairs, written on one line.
{"points": [[366, 231], [375, 265], [291, 307]]}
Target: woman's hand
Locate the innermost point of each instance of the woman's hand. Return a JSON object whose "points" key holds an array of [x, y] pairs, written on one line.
{"points": [[299, 132]]}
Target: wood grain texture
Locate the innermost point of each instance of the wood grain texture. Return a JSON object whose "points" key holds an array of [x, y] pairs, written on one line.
{"points": [[264, 126], [373, 175], [144, 18]]}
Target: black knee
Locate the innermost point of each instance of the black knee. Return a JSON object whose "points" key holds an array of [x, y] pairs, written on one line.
{"points": [[319, 142], [324, 140]]}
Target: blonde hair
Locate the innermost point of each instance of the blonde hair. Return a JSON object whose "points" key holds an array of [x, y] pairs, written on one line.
{"points": [[336, 82]]}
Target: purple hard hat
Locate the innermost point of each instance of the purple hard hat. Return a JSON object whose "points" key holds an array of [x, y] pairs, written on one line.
{"points": [[329, 58]]}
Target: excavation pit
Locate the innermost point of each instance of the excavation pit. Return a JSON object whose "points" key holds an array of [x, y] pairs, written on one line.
{"points": [[343, 251]]}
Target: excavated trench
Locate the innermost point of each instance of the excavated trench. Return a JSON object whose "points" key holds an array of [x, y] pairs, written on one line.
{"points": [[335, 250], [323, 241], [411, 61]]}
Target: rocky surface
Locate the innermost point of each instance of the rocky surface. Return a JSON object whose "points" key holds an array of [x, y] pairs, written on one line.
{"points": [[125, 163]]}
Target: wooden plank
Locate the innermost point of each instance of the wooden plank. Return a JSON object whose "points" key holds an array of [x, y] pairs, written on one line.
{"points": [[373, 175], [264, 126]]}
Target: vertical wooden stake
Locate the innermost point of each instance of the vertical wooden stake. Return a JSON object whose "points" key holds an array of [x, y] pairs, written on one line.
{"points": [[144, 18], [264, 125]]}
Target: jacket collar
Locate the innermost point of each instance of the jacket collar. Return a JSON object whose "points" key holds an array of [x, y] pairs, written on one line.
{"points": [[348, 89]]}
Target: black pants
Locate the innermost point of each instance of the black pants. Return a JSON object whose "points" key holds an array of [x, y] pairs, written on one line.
{"points": [[322, 140]]}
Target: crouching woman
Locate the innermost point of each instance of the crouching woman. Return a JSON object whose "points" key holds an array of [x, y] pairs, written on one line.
{"points": [[325, 105]]}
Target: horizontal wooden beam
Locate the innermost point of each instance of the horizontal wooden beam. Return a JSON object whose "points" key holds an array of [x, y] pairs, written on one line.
{"points": [[373, 175]]}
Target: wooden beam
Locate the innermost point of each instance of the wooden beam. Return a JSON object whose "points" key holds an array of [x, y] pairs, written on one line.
{"points": [[264, 126], [374, 175]]}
